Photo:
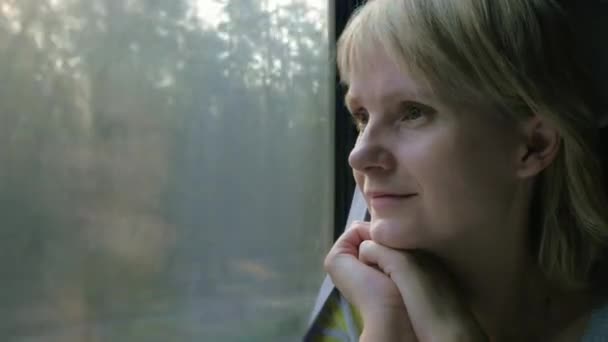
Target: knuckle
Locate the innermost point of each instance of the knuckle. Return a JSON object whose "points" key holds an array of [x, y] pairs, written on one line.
{"points": [[354, 225], [364, 244], [358, 224], [328, 263]]}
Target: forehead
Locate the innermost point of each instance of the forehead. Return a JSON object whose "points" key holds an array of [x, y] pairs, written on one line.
{"points": [[381, 78]]}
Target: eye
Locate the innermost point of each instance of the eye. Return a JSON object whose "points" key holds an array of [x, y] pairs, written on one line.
{"points": [[412, 112], [360, 119]]}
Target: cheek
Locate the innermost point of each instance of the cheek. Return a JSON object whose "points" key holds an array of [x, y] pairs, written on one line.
{"points": [[464, 183], [359, 178], [427, 161]]}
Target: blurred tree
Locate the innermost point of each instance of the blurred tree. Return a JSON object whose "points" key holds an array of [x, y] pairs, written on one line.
{"points": [[158, 173]]}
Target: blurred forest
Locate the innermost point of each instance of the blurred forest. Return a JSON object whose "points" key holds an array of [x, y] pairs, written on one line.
{"points": [[162, 178]]}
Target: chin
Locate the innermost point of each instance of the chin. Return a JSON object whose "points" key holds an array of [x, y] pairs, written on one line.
{"points": [[395, 233]]}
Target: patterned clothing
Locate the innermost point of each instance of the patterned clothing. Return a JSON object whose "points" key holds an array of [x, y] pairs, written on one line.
{"points": [[340, 322], [597, 329]]}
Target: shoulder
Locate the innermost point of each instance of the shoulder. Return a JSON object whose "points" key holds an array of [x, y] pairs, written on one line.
{"points": [[590, 326], [597, 325]]}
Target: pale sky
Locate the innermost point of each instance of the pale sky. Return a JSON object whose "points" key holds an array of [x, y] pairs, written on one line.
{"points": [[210, 10]]}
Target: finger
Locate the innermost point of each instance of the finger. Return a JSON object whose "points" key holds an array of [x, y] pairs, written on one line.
{"points": [[361, 228], [342, 263], [368, 253], [349, 241], [403, 267], [398, 268], [345, 272], [388, 260], [343, 266]]}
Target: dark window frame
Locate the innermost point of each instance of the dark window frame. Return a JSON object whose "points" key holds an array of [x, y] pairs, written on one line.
{"points": [[345, 133]]}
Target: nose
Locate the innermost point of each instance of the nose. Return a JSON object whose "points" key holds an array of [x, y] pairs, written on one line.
{"points": [[371, 153]]}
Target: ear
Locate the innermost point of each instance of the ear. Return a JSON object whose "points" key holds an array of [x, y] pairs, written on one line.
{"points": [[540, 145]]}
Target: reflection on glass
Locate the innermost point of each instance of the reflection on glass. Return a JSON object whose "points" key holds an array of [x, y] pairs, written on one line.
{"points": [[165, 169]]}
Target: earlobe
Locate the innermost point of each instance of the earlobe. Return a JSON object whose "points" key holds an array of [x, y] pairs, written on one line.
{"points": [[540, 147]]}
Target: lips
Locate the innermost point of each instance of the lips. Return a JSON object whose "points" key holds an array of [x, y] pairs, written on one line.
{"points": [[378, 194], [385, 200]]}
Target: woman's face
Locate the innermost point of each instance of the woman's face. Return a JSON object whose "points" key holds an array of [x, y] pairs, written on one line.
{"points": [[432, 174]]}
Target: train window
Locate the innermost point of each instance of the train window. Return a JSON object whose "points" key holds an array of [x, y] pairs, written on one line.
{"points": [[167, 168]]}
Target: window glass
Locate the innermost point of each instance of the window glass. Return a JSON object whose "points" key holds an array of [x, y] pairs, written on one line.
{"points": [[166, 169]]}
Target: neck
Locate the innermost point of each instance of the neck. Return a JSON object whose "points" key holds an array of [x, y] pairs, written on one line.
{"points": [[501, 278], [499, 275], [496, 279], [509, 295]]}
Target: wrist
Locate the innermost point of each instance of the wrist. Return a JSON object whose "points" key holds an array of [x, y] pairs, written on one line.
{"points": [[463, 332], [384, 335], [393, 327]]}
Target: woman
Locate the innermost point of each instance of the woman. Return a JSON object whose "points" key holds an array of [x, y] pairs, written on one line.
{"points": [[478, 157]]}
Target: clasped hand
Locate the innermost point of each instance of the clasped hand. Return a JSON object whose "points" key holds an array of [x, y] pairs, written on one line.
{"points": [[401, 295]]}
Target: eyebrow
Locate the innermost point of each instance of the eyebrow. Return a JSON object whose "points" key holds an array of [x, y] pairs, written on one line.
{"points": [[391, 97]]}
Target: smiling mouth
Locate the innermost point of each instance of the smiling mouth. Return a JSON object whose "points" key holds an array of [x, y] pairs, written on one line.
{"points": [[388, 201]]}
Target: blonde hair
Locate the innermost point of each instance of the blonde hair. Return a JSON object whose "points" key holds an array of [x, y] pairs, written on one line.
{"points": [[518, 56]]}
